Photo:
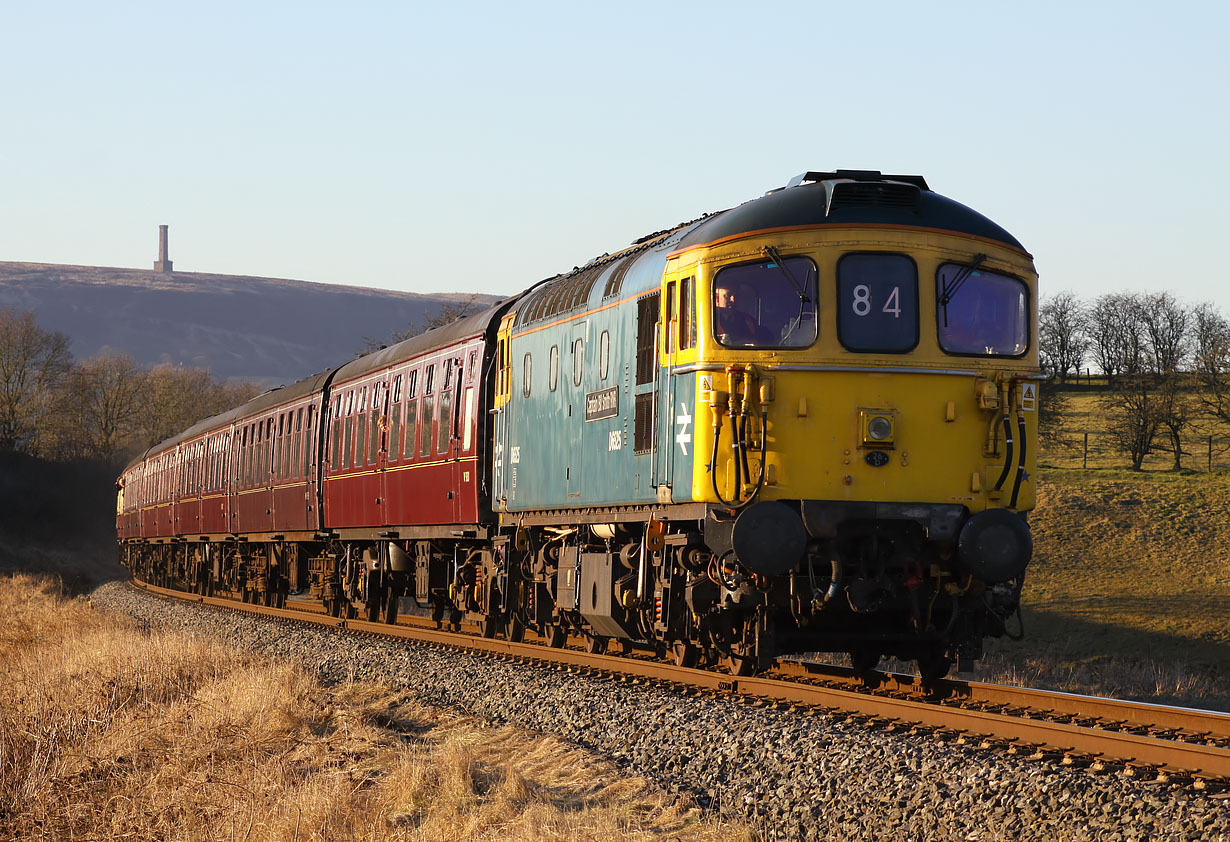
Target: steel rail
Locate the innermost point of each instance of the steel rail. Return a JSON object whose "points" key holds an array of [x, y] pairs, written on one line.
{"points": [[1079, 741], [1185, 723]]}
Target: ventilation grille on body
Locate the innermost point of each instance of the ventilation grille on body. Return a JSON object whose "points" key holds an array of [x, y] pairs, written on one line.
{"points": [[877, 194]]}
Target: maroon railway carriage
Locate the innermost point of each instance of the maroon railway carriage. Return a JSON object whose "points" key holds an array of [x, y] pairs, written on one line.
{"points": [[365, 484]]}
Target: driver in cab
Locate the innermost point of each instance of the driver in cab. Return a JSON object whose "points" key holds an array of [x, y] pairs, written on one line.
{"points": [[731, 325]]}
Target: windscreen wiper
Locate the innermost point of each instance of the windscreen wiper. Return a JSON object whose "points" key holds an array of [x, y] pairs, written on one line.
{"points": [[776, 256], [951, 287]]}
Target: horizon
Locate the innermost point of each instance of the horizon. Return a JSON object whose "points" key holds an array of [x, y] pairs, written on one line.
{"points": [[481, 149]]}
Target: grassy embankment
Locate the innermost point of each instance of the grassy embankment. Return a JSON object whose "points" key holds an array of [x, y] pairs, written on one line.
{"points": [[108, 731], [1129, 591]]}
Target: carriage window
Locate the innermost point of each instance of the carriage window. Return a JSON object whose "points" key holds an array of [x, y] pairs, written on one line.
{"points": [[981, 313], [373, 438], [877, 303], [526, 367], [442, 425], [337, 437], [348, 441], [766, 304], [429, 407], [604, 354], [466, 436], [412, 384], [361, 438], [411, 422], [394, 445], [553, 368], [428, 378]]}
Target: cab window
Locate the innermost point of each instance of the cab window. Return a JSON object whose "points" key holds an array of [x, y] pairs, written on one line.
{"points": [[766, 304], [981, 313]]}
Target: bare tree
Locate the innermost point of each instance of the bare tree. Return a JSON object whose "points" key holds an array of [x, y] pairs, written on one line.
{"points": [[175, 398], [106, 393], [1121, 345], [1116, 335], [1211, 358], [33, 365], [1062, 340], [1167, 325]]}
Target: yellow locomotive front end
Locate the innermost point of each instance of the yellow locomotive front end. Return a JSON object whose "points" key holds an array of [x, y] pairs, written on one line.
{"points": [[865, 406]]}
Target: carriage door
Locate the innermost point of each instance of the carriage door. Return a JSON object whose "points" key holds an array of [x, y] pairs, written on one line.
{"points": [[503, 389], [646, 413]]}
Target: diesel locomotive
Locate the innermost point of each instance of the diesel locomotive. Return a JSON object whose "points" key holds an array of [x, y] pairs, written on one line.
{"points": [[804, 424]]}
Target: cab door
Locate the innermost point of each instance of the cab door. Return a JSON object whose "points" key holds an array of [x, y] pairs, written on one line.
{"points": [[500, 431], [645, 396]]}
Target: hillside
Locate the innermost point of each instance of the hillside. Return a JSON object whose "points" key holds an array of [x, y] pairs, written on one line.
{"points": [[266, 329], [1129, 590]]}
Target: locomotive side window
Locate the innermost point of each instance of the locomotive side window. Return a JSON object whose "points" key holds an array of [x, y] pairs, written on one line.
{"points": [[578, 361], [604, 354], [687, 314], [526, 370], [766, 304], [877, 303], [553, 368], [981, 313]]}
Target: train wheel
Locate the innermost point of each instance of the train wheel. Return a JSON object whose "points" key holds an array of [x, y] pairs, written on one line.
{"points": [[515, 630], [864, 660], [557, 636], [371, 608], [932, 667], [352, 610], [684, 654], [487, 626], [596, 645], [333, 607], [739, 664]]}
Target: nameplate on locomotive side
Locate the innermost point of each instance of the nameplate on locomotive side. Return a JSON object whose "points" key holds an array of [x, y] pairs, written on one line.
{"points": [[602, 404]]}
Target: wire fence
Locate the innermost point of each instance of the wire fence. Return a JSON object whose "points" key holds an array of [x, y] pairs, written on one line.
{"points": [[1093, 449]]}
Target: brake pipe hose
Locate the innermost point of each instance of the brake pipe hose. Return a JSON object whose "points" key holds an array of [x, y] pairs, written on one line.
{"points": [[713, 461], [1020, 465], [1007, 396]]}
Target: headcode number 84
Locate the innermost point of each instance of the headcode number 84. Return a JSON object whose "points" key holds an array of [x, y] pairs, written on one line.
{"points": [[862, 301]]}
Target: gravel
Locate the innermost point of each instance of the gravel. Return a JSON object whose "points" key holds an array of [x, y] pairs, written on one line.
{"points": [[792, 776]]}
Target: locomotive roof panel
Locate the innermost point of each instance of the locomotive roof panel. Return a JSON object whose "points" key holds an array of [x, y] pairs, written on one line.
{"points": [[848, 197], [603, 279]]}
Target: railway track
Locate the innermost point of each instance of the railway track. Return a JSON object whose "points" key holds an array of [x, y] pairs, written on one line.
{"points": [[1140, 739]]}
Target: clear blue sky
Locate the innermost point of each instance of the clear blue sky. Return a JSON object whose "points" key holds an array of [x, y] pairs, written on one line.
{"points": [[484, 146]]}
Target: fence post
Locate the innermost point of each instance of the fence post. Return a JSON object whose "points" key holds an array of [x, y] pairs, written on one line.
{"points": [[1210, 454], [1085, 457]]}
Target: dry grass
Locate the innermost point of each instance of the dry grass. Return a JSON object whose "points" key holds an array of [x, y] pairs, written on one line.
{"points": [[109, 732]]}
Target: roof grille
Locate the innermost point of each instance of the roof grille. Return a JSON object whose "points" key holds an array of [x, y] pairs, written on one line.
{"points": [[862, 194]]}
